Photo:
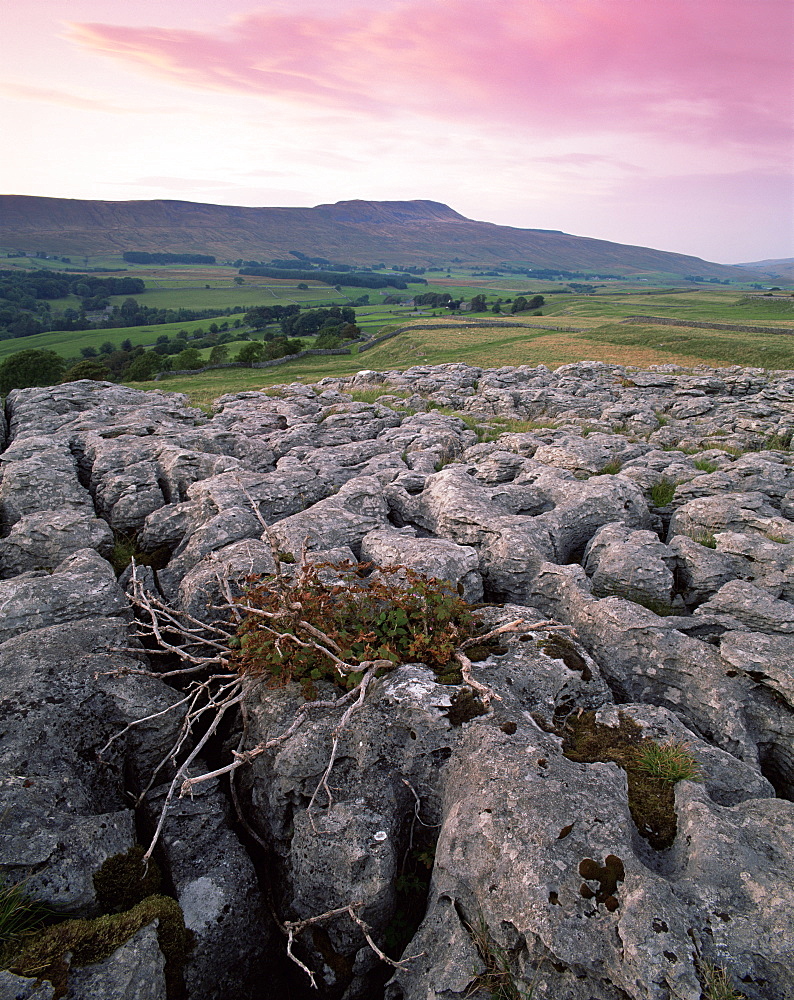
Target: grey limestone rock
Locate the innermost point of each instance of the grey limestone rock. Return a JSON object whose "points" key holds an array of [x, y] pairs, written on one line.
{"points": [[633, 564], [746, 513], [81, 586], [216, 886], [746, 605], [44, 539], [343, 519], [700, 570], [167, 526], [135, 971], [767, 562], [20, 988], [434, 557], [46, 481], [199, 591]]}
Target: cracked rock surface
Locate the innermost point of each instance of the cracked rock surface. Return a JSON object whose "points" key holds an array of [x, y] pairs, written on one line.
{"points": [[650, 513]]}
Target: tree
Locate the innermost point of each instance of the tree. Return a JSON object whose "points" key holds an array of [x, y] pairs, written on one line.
{"points": [[478, 304], [239, 281], [88, 352], [94, 371], [219, 354], [30, 368], [328, 339], [144, 366], [249, 353], [190, 358], [126, 345], [107, 348]]}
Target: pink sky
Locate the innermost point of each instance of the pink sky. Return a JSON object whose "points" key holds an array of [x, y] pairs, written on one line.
{"points": [[665, 123]]}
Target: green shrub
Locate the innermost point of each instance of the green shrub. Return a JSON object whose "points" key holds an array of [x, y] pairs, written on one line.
{"points": [[400, 616]]}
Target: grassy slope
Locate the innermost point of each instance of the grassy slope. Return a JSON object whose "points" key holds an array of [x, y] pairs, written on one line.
{"points": [[514, 343], [68, 343]]}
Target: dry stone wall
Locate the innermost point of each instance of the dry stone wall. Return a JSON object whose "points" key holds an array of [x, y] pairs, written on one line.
{"points": [[650, 511]]}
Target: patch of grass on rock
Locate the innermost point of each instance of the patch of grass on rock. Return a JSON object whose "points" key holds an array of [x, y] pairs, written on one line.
{"points": [[651, 795]]}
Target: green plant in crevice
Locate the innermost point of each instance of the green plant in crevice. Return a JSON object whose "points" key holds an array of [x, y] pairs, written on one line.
{"points": [[128, 894], [19, 914], [87, 941], [612, 468], [662, 493], [125, 549], [704, 465], [671, 761], [705, 538], [716, 983], [396, 615], [778, 442], [497, 980], [651, 795]]}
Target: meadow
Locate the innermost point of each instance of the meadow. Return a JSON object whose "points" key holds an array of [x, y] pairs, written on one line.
{"points": [[573, 326], [511, 342]]}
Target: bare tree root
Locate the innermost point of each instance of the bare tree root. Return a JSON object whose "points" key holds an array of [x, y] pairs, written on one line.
{"points": [[293, 927], [213, 687]]}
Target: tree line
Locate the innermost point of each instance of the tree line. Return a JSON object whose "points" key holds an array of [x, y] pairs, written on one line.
{"points": [[330, 327]]}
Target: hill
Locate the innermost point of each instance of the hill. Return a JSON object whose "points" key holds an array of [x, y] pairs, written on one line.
{"points": [[779, 269], [362, 232]]}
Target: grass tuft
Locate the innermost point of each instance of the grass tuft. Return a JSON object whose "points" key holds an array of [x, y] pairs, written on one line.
{"points": [[706, 538], [662, 493], [651, 796], [717, 984], [497, 980], [703, 465], [19, 914], [671, 761], [612, 468]]}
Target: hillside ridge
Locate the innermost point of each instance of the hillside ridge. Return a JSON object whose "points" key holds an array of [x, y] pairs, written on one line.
{"points": [[358, 231]]}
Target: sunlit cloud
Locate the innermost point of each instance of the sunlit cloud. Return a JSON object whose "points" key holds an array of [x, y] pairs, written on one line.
{"points": [[648, 66]]}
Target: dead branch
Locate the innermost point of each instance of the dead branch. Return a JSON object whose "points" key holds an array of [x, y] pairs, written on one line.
{"points": [[293, 927], [466, 668], [361, 688]]}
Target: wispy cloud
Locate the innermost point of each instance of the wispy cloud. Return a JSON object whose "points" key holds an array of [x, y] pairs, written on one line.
{"points": [[705, 68], [78, 102], [51, 96], [178, 183]]}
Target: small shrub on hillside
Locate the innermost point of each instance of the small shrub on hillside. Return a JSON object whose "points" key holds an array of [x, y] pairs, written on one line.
{"points": [[397, 615]]}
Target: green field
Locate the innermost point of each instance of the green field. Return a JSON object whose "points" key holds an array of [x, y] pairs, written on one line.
{"points": [[67, 343], [592, 326], [513, 342]]}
